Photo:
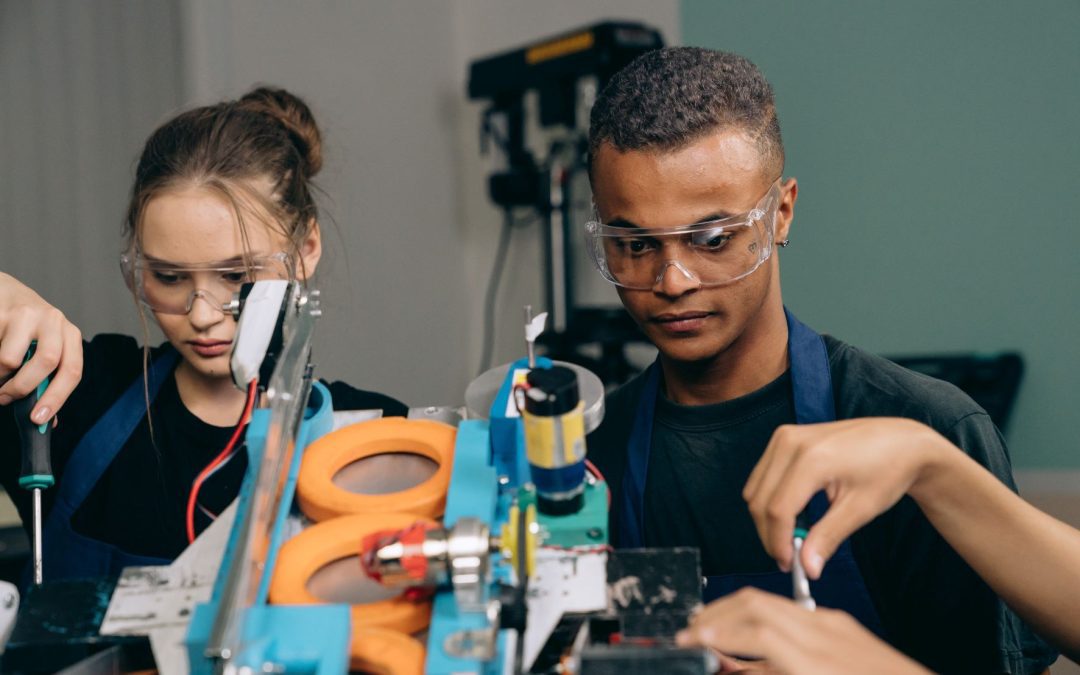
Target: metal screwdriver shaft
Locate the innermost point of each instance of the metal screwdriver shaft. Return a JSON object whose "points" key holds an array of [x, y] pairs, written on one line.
{"points": [[36, 472]]}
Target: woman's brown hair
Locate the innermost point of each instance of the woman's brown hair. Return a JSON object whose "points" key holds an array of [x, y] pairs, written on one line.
{"points": [[267, 135]]}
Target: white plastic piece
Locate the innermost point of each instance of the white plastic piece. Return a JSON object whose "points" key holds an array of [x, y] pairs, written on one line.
{"points": [[534, 328], [563, 582], [255, 329], [9, 608], [159, 601]]}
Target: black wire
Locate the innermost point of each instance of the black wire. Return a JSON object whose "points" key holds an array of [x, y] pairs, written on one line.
{"points": [[493, 290]]}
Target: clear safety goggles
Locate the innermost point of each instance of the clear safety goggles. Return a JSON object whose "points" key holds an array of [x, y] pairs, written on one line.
{"points": [[172, 288], [712, 253]]}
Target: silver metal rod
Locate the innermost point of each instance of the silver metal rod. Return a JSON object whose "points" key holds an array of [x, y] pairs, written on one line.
{"points": [[529, 343], [38, 571], [557, 253], [800, 583]]}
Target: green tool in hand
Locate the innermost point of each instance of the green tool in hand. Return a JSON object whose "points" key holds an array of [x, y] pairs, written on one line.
{"points": [[36, 472]]}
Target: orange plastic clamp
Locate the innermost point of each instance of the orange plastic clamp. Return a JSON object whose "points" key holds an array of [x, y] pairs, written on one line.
{"points": [[387, 652], [320, 498], [326, 542]]}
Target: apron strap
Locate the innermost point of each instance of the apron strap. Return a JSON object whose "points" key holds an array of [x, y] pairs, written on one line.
{"points": [[811, 377], [102, 443], [632, 512]]}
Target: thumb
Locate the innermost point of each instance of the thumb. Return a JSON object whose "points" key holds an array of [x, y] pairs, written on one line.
{"points": [[838, 523]]}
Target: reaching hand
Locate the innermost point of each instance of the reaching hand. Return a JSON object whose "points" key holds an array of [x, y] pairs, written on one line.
{"points": [[791, 639], [25, 317], [864, 465]]}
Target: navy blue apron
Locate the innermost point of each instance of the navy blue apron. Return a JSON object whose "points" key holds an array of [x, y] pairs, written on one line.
{"points": [[841, 585], [68, 554]]}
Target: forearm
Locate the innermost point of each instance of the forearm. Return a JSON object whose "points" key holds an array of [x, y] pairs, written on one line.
{"points": [[1027, 557]]}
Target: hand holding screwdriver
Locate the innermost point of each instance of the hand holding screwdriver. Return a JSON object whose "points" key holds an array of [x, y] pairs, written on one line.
{"points": [[26, 317], [864, 466]]}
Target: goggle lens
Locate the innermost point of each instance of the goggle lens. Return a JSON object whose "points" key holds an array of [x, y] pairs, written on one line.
{"points": [[173, 289], [713, 253]]}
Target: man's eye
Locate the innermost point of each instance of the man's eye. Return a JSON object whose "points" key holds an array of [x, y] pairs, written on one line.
{"points": [[711, 240], [636, 245]]}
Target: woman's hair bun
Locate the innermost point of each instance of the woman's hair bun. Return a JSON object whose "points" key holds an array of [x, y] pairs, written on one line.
{"points": [[291, 111]]}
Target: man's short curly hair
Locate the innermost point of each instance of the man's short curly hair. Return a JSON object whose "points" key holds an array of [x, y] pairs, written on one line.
{"points": [[669, 98]]}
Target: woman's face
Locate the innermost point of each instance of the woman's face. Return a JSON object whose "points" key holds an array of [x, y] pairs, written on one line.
{"points": [[191, 227]]}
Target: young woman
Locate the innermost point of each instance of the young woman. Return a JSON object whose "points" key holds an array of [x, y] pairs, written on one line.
{"points": [[222, 195]]}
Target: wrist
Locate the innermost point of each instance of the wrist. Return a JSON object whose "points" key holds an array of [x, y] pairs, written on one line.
{"points": [[937, 463]]}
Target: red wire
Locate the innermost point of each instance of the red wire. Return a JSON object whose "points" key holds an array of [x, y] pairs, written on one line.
{"points": [[205, 473], [599, 476]]}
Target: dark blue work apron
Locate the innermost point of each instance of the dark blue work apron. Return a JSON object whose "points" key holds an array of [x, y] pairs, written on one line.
{"points": [[841, 585], [68, 554]]}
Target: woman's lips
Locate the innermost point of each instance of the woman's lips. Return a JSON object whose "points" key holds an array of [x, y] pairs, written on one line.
{"points": [[210, 349], [683, 322]]}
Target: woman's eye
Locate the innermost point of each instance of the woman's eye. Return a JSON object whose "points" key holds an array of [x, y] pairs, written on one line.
{"points": [[166, 278], [236, 277]]}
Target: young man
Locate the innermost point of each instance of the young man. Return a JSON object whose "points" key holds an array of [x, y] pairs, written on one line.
{"points": [[692, 207]]}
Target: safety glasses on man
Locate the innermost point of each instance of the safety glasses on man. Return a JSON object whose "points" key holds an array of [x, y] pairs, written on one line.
{"points": [[171, 288], [713, 253]]}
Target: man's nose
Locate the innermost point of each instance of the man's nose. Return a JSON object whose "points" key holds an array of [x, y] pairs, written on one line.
{"points": [[675, 279]]}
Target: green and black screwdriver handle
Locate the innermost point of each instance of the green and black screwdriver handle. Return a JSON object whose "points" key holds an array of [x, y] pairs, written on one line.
{"points": [[36, 474]]}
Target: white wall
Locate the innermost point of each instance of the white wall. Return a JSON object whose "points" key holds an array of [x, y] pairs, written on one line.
{"points": [[83, 85], [380, 81]]}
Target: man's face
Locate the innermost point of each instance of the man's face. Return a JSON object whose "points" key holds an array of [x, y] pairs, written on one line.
{"points": [[720, 175]]}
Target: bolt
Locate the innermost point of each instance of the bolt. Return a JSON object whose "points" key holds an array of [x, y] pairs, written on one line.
{"points": [[594, 533]]}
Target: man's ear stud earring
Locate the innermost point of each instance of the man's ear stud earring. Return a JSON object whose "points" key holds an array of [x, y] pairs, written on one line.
{"points": [[784, 243]]}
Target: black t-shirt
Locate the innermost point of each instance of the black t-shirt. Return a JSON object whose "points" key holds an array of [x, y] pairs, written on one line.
{"points": [[932, 605], [139, 502]]}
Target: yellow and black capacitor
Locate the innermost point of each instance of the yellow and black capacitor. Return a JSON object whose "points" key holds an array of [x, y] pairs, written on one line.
{"points": [[553, 414]]}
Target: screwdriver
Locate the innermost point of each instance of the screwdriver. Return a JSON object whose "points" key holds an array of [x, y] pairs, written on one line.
{"points": [[36, 465], [800, 583]]}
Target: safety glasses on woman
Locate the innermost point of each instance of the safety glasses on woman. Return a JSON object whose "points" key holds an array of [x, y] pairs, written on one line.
{"points": [[171, 288]]}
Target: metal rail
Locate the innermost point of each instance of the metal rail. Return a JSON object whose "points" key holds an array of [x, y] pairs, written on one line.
{"points": [[287, 394]]}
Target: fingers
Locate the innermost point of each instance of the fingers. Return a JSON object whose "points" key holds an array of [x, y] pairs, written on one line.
{"points": [[750, 623], [58, 353], [67, 375], [846, 515], [789, 638], [779, 491], [14, 343]]}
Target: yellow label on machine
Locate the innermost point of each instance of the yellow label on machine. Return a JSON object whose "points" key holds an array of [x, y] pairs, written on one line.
{"points": [[547, 451]]}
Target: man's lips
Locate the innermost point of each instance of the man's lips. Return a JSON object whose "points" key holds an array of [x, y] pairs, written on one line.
{"points": [[210, 347], [680, 322]]}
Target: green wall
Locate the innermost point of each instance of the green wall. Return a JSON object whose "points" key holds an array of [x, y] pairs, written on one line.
{"points": [[937, 147]]}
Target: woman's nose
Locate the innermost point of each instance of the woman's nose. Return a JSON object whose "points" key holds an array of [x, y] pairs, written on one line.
{"points": [[205, 311]]}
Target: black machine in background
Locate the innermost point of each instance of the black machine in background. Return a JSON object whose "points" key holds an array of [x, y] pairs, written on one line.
{"points": [[565, 72], [993, 380]]}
